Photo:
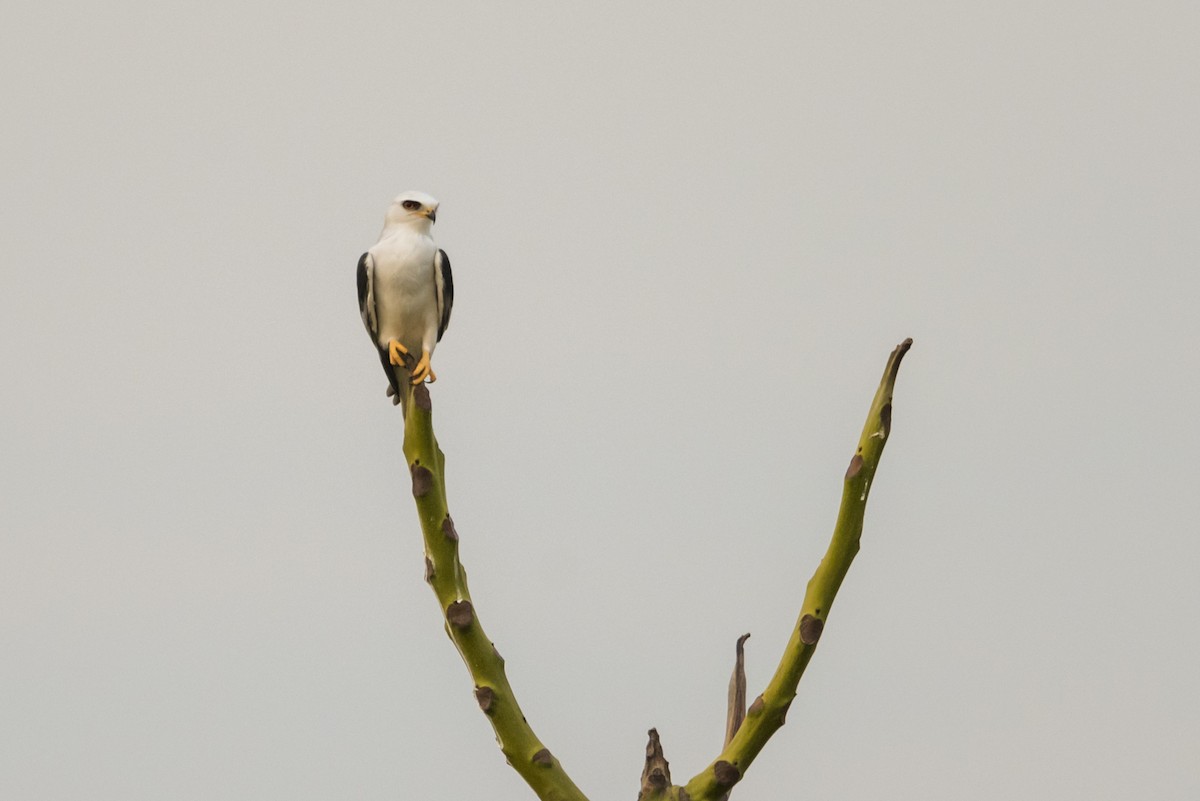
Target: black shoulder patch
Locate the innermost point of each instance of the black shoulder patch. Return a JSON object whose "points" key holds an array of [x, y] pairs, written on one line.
{"points": [[447, 294], [362, 283]]}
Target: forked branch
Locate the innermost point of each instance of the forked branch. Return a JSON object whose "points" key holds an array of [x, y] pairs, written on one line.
{"points": [[744, 738]]}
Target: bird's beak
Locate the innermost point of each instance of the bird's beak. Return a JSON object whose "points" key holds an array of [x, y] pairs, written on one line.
{"points": [[432, 215]]}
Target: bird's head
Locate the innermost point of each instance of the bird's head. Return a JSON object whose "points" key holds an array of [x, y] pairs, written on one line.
{"points": [[415, 209]]}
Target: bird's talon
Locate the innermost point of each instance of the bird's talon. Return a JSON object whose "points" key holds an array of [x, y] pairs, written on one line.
{"points": [[397, 354], [421, 371]]}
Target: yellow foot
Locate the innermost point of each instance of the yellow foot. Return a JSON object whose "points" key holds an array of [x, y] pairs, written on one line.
{"points": [[421, 371], [397, 353], [432, 375]]}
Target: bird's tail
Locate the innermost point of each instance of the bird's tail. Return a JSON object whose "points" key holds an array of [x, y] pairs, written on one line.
{"points": [[401, 393], [399, 380]]}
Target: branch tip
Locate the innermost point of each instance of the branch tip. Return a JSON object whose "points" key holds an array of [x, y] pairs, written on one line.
{"points": [[654, 744], [656, 775], [896, 357]]}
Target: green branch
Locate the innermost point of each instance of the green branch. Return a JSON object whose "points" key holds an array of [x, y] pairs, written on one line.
{"points": [[746, 737], [766, 714], [446, 575]]}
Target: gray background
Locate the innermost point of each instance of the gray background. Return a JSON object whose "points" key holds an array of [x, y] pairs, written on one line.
{"points": [[685, 238]]}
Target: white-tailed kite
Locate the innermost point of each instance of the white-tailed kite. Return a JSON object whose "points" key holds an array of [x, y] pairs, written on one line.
{"points": [[405, 292]]}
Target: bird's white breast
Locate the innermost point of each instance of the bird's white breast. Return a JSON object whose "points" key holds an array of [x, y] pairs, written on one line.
{"points": [[405, 291]]}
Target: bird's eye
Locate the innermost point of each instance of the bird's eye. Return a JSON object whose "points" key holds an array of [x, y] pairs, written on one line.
{"points": [[411, 205]]}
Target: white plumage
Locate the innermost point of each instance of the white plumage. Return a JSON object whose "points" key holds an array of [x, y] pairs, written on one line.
{"points": [[406, 292]]}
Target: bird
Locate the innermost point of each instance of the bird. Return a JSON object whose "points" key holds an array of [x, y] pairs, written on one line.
{"points": [[405, 293]]}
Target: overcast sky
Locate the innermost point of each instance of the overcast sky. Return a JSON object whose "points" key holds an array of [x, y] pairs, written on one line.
{"points": [[685, 237]]}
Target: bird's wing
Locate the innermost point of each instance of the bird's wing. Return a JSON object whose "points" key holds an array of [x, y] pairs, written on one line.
{"points": [[366, 294], [445, 291], [366, 307]]}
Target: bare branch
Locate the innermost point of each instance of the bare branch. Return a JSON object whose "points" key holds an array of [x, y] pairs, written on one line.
{"points": [[766, 715], [747, 730], [525, 752]]}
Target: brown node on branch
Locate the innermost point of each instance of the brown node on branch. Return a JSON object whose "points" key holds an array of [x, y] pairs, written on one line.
{"points": [[460, 614], [726, 774], [486, 697], [885, 419], [656, 776], [810, 629], [856, 465], [421, 397], [428, 570], [756, 707], [449, 530], [543, 758], [422, 481]]}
